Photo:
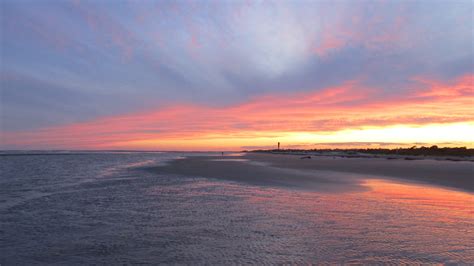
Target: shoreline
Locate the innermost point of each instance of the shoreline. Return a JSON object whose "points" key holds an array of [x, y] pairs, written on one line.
{"points": [[345, 154], [322, 173]]}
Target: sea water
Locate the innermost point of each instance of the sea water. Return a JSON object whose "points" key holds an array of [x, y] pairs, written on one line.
{"points": [[109, 207]]}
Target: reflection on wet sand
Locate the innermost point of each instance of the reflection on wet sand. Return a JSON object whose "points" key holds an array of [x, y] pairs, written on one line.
{"points": [[392, 222], [309, 215]]}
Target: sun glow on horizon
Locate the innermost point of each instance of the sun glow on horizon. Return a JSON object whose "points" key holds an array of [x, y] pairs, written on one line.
{"points": [[432, 133], [455, 134]]}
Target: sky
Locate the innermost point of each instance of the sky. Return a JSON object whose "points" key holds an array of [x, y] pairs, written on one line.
{"points": [[231, 75]]}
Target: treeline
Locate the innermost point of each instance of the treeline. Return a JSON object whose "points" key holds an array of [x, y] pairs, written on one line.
{"points": [[420, 151]]}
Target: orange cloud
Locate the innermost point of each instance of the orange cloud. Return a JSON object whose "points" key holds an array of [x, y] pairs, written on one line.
{"points": [[261, 120], [461, 87]]}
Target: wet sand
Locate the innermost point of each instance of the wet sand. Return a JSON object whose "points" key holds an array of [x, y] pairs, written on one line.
{"points": [[255, 173], [324, 174], [459, 175]]}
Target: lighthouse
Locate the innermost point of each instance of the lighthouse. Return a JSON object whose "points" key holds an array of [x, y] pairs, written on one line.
{"points": [[278, 145]]}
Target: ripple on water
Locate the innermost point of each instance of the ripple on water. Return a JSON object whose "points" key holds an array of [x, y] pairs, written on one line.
{"points": [[134, 216]]}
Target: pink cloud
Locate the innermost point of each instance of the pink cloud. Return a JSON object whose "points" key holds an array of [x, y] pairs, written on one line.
{"points": [[105, 26], [323, 111], [373, 32]]}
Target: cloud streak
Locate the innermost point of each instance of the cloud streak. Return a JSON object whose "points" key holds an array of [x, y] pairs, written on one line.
{"points": [[103, 74], [330, 110]]}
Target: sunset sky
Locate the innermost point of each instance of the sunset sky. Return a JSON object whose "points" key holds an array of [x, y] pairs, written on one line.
{"points": [[231, 75]]}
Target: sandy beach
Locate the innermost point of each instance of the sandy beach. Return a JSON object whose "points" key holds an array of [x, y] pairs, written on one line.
{"points": [[330, 174]]}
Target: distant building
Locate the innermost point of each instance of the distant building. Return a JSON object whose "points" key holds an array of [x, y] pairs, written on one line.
{"points": [[278, 145]]}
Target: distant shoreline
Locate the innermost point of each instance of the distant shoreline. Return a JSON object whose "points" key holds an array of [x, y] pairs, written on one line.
{"points": [[432, 153]]}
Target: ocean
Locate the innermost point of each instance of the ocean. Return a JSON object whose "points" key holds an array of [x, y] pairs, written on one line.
{"points": [[112, 208]]}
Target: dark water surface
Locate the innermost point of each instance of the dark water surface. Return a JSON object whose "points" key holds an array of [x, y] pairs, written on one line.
{"points": [[96, 208]]}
